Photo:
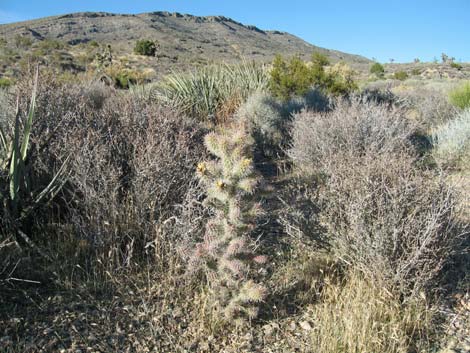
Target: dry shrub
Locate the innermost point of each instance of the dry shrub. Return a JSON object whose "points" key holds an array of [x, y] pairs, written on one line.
{"points": [[382, 213], [388, 218], [431, 107], [134, 162], [451, 142], [361, 315], [131, 164], [352, 128]]}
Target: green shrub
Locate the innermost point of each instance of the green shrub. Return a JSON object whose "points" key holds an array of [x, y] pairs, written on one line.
{"points": [[416, 72], [452, 141], [295, 78], [455, 65], [5, 82], [400, 75], [288, 79], [145, 47], [460, 97], [377, 69], [93, 44], [124, 79]]}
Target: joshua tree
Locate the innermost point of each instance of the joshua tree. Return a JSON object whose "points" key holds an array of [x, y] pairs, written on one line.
{"points": [[227, 251]]}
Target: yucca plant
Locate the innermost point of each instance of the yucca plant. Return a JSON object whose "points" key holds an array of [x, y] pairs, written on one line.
{"points": [[17, 195], [227, 252], [202, 93]]}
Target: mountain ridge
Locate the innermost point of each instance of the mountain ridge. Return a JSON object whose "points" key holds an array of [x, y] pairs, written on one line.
{"points": [[184, 39]]}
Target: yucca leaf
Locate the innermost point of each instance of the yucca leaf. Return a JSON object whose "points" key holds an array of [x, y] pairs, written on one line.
{"points": [[3, 140], [29, 121], [14, 161]]}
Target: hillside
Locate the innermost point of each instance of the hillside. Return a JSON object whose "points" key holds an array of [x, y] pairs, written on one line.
{"points": [[184, 39]]}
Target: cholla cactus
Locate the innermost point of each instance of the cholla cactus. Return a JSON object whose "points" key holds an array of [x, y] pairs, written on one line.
{"points": [[227, 252]]}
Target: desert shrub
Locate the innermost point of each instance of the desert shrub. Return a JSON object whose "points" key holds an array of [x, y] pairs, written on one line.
{"points": [[25, 188], [289, 78], [452, 141], [263, 114], [145, 47], [123, 78], [50, 44], [295, 78], [4, 82], [455, 65], [212, 92], [460, 97], [121, 185], [123, 175], [376, 205], [95, 94], [380, 96], [416, 72], [314, 99], [431, 107], [227, 251], [400, 75], [339, 80], [22, 42], [351, 127], [377, 69], [360, 315]]}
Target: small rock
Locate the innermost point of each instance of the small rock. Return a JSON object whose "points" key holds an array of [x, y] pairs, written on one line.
{"points": [[305, 325]]}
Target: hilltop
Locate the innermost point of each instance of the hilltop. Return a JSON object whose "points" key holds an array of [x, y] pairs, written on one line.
{"points": [[185, 40]]}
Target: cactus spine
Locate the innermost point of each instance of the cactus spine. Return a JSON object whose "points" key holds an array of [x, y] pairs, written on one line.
{"points": [[227, 251]]}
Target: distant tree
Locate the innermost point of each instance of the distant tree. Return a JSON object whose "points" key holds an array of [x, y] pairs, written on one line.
{"points": [[145, 47], [392, 60], [444, 58], [377, 69], [416, 60]]}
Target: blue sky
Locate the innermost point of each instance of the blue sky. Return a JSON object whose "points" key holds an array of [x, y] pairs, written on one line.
{"points": [[398, 29]]}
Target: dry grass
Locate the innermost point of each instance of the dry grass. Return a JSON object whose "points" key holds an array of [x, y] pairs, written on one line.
{"points": [[363, 316]]}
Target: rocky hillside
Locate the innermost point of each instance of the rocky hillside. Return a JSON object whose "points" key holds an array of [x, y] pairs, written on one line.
{"points": [[184, 39]]}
